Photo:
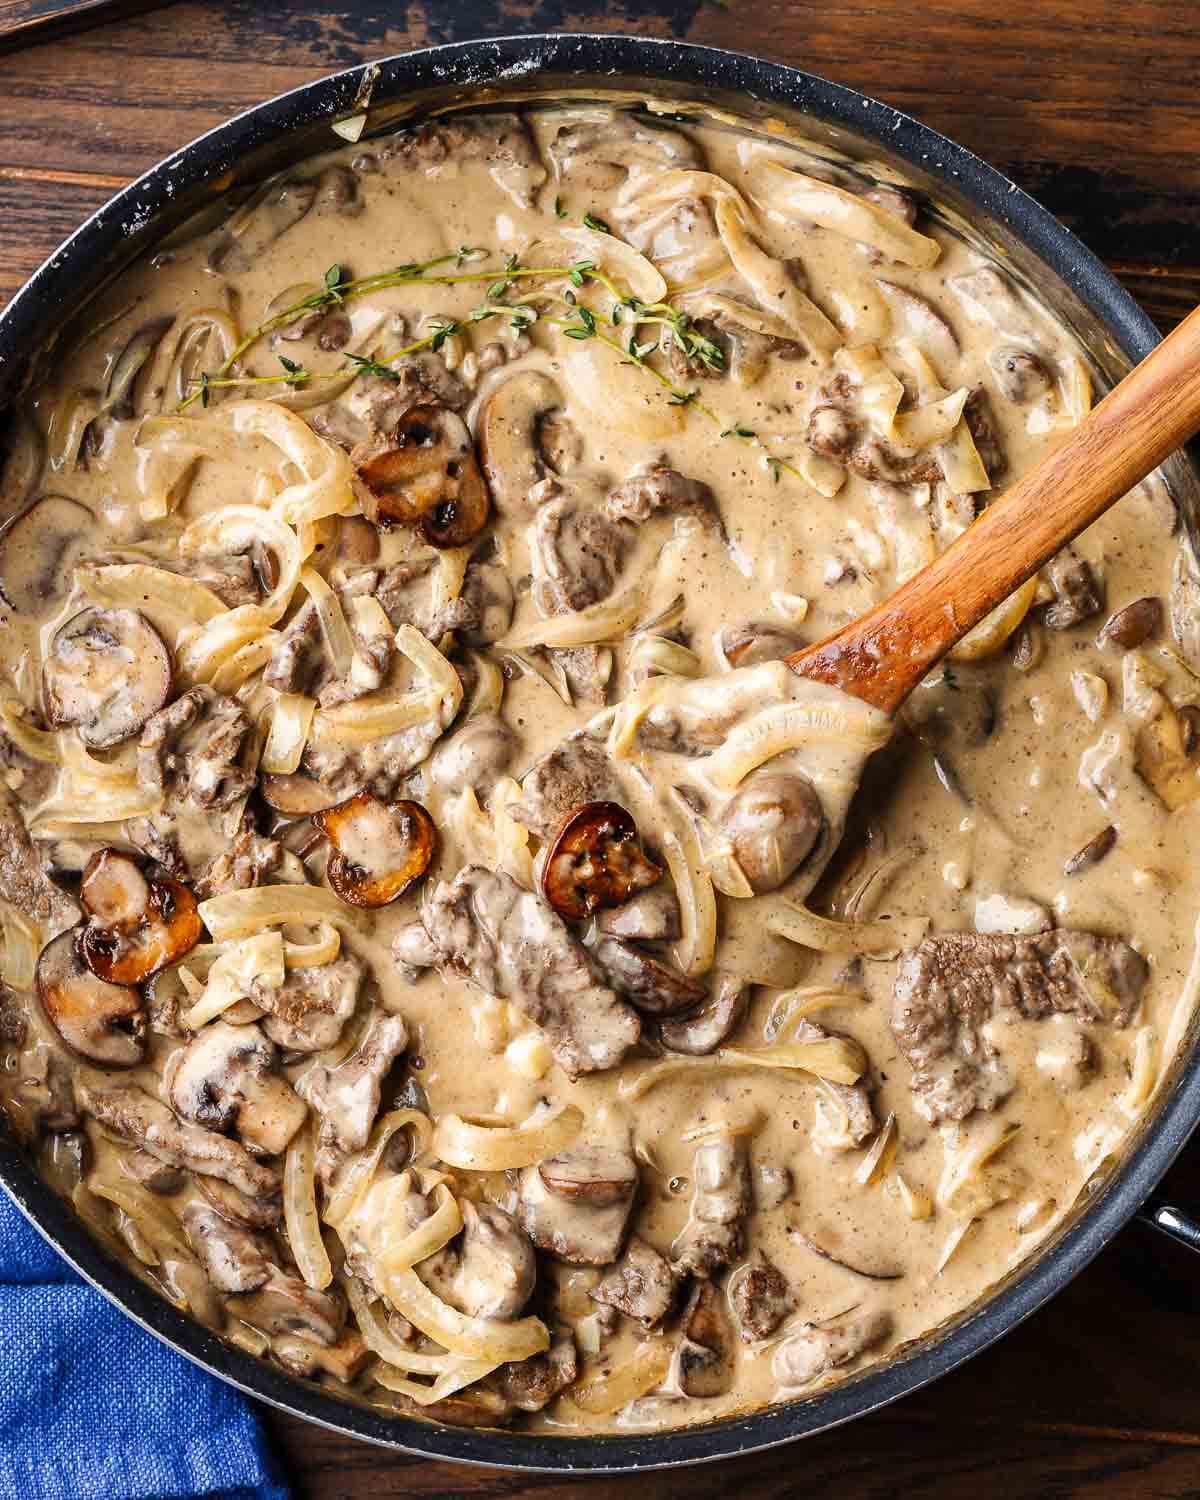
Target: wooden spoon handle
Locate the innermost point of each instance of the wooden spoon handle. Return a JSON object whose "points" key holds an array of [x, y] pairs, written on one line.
{"points": [[881, 657]]}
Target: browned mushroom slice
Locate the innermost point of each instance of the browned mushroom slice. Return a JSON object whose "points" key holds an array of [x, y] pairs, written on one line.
{"points": [[596, 861], [427, 476], [702, 1364], [380, 848], [138, 926], [773, 822], [37, 550], [655, 988], [105, 1023], [591, 1175], [297, 795], [106, 673], [825, 1243]]}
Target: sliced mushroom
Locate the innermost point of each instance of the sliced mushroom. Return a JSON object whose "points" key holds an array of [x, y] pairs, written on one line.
{"points": [[711, 1026], [748, 645], [825, 1243], [814, 1351], [702, 1364], [295, 795], [225, 1080], [285, 1305], [773, 822], [426, 476], [106, 673], [138, 926], [654, 987], [380, 848], [38, 549], [1136, 623], [106, 1023], [1020, 374], [511, 437], [596, 861], [591, 1175], [476, 756], [489, 1271]]}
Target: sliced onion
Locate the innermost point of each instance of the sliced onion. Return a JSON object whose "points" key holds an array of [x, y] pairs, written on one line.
{"points": [[632, 1377], [991, 635], [290, 720], [879, 939], [962, 1188], [792, 726], [882, 390], [150, 1216], [837, 1059], [793, 195], [1143, 1072], [697, 898], [239, 667], [373, 716], [918, 1204], [770, 282], [235, 529], [134, 585], [83, 767], [338, 641], [932, 422], [325, 487], [323, 949], [793, 1006], [962, 468], [42, 745], [199, 655], [455, 1375], [67, 811], [609, 621], [881, 1155], [230, 978], [427, 659], [480, 1338], [495, 1148], [953, 1240], [22, 942], [300, 1210], [358, 1171], [237, 914], [654, 653], [376, 1214]]}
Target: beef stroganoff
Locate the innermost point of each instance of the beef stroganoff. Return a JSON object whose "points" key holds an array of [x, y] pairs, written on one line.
{"points": [[446, 950]]}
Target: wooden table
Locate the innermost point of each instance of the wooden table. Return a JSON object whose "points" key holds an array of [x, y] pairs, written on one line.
{"points": [[1092, 105]]}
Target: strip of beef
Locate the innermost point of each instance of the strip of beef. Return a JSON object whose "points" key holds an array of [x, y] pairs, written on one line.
{"points": [[191, 751], [838, 429], [487, 1271], [588, 670], [347, 1097], [135, 1116], [712, 1237], [576, 1205], [501, 140], [285, 1305], [814, 1351], [981, 424], [406, 595], [576, 552], [709, 1026], [300, 663], [23, 880], [512, 944], [641, 1285], [948, 987], [242, 866], [1077, 595], [309, 1010], [235, 1260], [660, 488], [760, 1297], [531, 1384], [573, 773]]}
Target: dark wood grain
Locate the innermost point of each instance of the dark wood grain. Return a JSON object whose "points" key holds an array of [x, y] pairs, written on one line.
{"points": [[1092, 106]]}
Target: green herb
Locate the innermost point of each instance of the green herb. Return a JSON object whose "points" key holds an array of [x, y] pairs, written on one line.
{"points": [[365, 366], [297, 374], [949, 678], [683, 398], [333, 283], [742, 432], [559, 211], [590, 221]]}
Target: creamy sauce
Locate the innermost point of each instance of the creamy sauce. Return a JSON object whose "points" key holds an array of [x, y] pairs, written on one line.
{"points": [[1005, 765]]}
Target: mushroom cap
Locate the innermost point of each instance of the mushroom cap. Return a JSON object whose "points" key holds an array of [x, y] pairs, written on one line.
{"points": [[295, 795], [509, 437], [773, 823], [426, 476], [37, 549], [596, 861], [106, 673], [138, 926], [106, 1023], [380, 848]]}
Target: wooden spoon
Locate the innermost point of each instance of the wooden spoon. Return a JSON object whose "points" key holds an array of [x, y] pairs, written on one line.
{"points": [[881, 657]]}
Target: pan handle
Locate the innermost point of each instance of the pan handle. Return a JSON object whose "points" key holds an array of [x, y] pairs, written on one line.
{"points": [[1173, 1222]]}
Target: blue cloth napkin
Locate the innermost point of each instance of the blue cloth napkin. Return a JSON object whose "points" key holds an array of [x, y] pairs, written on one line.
{"points": [[92, 1407]]}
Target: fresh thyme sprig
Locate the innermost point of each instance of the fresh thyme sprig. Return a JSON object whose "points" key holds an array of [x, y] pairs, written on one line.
{"points": [[582, 323]]}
